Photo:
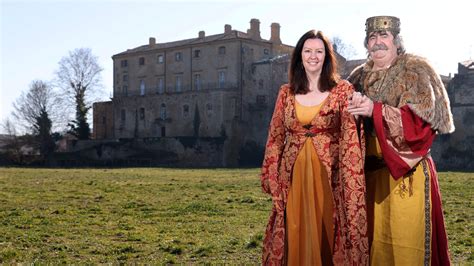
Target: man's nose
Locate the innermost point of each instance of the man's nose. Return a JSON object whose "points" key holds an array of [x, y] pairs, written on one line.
{"points": [[378, 39]]}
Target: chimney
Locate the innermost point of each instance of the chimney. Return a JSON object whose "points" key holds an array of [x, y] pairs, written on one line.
{"points": [[152, 41], [202, 34], [275, 33], [227, 29], [254, 30]]}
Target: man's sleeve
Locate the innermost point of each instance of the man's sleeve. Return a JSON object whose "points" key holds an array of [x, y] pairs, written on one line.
{"points": [[403, 136]]}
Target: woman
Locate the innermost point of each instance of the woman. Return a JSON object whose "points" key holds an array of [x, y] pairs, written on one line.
{"points": [[313, 166]]}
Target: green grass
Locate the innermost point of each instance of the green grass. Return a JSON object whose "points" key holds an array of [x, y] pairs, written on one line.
{"points": [[160, 215]]}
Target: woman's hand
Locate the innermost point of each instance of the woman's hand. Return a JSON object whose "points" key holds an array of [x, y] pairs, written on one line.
{"points": [[360, 105]]}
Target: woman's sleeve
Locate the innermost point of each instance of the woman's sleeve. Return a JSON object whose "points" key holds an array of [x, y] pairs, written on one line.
{"points": [[352, 180], [274, 146], [352, 150]]}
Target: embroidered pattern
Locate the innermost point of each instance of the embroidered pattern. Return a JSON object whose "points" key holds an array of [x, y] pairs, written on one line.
{"points": [[427, 215], [339, 149]]}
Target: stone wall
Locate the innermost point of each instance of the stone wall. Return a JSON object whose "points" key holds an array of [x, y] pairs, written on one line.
{"points": [[456, 151], [173, 151], [103, 122]]}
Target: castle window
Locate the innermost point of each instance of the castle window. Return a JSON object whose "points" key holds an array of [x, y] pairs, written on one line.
{"points": [[209, 109], [142, 87], [197, 82], [233, 107], [122, 115], [141, 61], [260, 84], [261, 100], [185, 110], [142, 113], [209, 106], [125, 90], [197, 53], [221, 81], [178, 84], [160, 86], [124, 63], [159, 59], [104, 120], [222, 50], [178, 56], [125, 78], [163, 111]]}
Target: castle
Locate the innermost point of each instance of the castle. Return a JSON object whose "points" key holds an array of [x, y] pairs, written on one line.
{"points": [[208, 101], [218, 88]]}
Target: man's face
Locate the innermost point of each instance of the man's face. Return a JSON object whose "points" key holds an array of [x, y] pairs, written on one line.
{"points": [[381, 46]]}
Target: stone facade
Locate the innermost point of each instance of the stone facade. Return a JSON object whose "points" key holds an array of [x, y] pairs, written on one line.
{"points": [[456, 151], [103, 122], [223, 85]]}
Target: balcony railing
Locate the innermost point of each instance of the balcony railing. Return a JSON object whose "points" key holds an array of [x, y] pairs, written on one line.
{"points": [[173, 89]]}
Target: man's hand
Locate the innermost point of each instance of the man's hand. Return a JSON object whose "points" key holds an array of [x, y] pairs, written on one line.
{"points": [[360, 105]]}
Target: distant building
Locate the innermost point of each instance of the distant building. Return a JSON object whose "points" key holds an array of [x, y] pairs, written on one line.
{"points": [[217, 86]]}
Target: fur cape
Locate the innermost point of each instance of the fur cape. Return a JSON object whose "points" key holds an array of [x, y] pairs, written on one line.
{"points": [[411, 81]]}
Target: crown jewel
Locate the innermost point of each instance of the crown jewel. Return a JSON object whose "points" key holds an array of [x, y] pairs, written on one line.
{"points": [[378, 23]]}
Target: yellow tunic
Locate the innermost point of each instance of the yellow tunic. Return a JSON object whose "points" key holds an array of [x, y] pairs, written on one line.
{"points": [[309, 209], [399, 215]]}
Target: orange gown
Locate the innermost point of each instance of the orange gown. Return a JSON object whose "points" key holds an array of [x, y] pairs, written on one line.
{"points": [[309, 209]]}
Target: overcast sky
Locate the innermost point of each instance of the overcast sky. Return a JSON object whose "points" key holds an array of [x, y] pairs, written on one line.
{"points": [[35, 35]]}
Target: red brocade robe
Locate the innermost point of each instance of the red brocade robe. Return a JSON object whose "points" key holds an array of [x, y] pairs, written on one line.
{"points": [[336, 141], [410, 106]]}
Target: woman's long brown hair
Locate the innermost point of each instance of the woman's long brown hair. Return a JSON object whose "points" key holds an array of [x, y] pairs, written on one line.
{"points": [[297, 75]]}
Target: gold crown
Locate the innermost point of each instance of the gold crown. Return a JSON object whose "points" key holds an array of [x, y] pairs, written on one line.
{"points": [[379, 23]]}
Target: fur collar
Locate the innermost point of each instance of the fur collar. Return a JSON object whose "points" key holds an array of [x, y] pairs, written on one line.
{"points": [[411, 81]]}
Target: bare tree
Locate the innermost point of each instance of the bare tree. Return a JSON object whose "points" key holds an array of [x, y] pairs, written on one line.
{"points": [[12, 144], [33, 110], [79, 78], [40, 98], [346, 50]]}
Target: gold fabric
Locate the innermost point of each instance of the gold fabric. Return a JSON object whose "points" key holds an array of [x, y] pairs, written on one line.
{"points": [[399, 217], [310, 207]]}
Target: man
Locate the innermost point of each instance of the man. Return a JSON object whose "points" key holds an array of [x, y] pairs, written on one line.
{"points": [[404, 105]]}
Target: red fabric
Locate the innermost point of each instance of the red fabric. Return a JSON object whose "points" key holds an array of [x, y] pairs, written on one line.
{"points": [[395, 164], [333, 133], [418, 134], [439, 240]]}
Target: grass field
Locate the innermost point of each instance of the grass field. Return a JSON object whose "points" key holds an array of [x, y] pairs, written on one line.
{"points": [[161, 215]]}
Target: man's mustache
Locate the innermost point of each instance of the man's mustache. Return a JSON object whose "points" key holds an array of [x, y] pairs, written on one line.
{"points": [[377, 47]]}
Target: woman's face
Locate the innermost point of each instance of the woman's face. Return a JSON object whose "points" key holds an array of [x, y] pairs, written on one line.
{"points": [[312, 55]]}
